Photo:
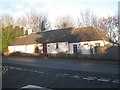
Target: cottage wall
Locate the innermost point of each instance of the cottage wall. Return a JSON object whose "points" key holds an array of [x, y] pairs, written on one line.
{"points": [[30, 48], [86, 47], [71, 47], [40, 47], [64, 47], [53, 48], [11, 49], [22, 48]]}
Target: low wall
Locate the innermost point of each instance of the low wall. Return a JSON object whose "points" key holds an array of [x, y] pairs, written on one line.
{"points": [[111, 55]]}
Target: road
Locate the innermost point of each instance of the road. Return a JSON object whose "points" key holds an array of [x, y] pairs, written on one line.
{"points": [[18, 72]]}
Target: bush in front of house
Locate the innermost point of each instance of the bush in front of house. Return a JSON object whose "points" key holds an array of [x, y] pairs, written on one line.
{"points": [[17, 53]]}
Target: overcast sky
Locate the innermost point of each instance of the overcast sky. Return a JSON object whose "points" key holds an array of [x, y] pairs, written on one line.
{"points": [[57, 8]]}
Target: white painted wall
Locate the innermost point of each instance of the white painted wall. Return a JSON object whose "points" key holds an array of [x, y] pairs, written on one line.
{"points": [[30, 48], [29, 31], [22, 48], [85, 49], [51, 48], [40, 47], [62, 47], [11, 49], [71, 47]]}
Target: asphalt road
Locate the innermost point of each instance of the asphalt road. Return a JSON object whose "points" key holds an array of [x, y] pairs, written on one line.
{"points": [[18, 72]]}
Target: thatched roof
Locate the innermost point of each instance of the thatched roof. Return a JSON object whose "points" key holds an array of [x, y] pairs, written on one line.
{"points": [[62, 35]]}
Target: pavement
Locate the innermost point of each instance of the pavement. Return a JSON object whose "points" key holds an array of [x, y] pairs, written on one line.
{"points": [[18, 72]]}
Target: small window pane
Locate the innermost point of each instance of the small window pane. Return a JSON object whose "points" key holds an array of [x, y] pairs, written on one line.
{"points": [[85, 43], [48, 45], [97, 44], [56, 45], [40, 45]]}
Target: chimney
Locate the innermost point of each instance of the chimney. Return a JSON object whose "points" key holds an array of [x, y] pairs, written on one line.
{"points": [[29, 31]]}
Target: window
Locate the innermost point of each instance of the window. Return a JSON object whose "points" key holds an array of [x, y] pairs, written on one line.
{"points": [[85, 43], [74, 48], [48, 45], [66, 43], [56, 45], [97, 44], [40, 45], [25, 47]]}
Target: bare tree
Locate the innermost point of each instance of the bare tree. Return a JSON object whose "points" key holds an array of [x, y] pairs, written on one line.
{"points": [[41, 23], [21, 21], [86, 18], [6, 20], [109, 25], [31, 18], [38, 22], [64, 22]]}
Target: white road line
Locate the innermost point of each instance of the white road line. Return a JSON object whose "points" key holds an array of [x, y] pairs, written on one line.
{"points": [[75, 76], [12, 67], [2, 70], [31, 70], [31, 86], [19, 69], [5, 70], [23, 69], [116, 81], [65, 74], [89, 78], [104, 79], [40, 72], [36, 71]]}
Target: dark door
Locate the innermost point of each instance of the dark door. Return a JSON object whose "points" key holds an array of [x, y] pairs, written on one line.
{"points": [[74, 48], [45, 48]]}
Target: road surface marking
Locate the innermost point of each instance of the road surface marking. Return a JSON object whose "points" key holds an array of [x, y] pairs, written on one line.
{"points": [[104, 79], [18, 68], [65, 74], [116, 81], [12, 67], [31, 86], [40, 72], [24, 69], [75, 76], [2, 69], [5, 69], [36, 71], [89, 78], [31, 70], [34, 86]]}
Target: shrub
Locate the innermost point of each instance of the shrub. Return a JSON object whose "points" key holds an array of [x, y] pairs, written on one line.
{"points": [[15, 53]]}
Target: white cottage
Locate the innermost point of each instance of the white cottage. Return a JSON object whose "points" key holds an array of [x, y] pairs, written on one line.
{"points": [[67, 40]]}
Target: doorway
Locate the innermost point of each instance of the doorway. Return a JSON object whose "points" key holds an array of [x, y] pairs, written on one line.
{"points": [[45, 48], [75, 49]]}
